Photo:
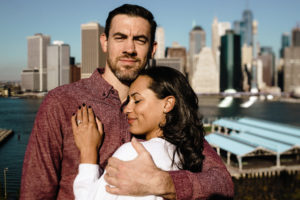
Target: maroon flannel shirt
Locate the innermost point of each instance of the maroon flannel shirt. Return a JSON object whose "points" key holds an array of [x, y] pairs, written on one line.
{"points": [[51, 159]]}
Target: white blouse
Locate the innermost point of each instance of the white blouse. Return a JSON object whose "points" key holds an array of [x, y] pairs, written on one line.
{"points": [[88, 184]]}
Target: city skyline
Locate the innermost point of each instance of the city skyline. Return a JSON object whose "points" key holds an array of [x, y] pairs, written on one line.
{"points": [[62, 19]]}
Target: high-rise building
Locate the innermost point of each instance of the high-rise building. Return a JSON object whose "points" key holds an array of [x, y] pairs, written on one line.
{"points": [[175, 63], [291, 68], [267, 57], [285, 42], [74, 71], [160, 38], [58, 65], [296, 37], [92, 55], [230, 62], [177, 51], [248, 20], [244, 28], [205, 77], [36, 63], [197, 40], [218, 30]]}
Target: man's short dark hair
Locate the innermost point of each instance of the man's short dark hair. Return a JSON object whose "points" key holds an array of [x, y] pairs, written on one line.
{"points": [[135, 11]]}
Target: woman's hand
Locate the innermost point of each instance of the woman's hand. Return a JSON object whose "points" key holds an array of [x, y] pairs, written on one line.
{"points": [[88, 134]]}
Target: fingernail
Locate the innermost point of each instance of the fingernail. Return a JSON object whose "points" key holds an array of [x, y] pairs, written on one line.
{"points": [[73, 114], [79, 107], [83, 104], [90, 106]]}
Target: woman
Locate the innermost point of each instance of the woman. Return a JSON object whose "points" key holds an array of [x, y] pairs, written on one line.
{"points": [[163, 109]]}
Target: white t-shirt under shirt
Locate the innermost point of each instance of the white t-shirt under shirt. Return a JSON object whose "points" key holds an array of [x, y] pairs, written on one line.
{"points": [[88, 184]]}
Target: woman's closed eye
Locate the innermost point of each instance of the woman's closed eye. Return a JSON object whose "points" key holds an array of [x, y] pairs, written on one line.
{"points": [[137, 101]]}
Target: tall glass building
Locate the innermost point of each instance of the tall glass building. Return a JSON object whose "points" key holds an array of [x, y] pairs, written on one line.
{"points": [[285, 42], [244, 28], [230, 62]]}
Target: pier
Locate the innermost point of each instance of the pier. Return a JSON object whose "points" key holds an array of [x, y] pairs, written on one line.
{"points": [[255, 148], [262, 172], [4, 134]]}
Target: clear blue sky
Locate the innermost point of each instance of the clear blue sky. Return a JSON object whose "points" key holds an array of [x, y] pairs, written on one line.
{"points": [[61, 19]]}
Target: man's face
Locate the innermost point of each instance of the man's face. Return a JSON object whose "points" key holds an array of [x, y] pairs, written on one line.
{"points": [[127, 46]]}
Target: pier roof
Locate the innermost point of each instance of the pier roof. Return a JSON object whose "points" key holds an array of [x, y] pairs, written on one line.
{"points": [[261, 131], [246, 137], [235, 146]]}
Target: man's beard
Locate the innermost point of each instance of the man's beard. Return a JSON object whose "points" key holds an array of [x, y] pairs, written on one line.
{"points": [[126, 76]]}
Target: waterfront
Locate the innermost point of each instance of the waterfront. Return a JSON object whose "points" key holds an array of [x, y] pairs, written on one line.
{"points": [[19, 114]]}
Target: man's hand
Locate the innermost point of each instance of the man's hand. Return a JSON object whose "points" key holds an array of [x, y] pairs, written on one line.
{"points": [[138, 177]]}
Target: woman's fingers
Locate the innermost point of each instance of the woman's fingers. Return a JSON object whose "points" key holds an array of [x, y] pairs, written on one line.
{"points": [[91, 115], [85, 118], [99, 126], [74, 124], [79, 116]]}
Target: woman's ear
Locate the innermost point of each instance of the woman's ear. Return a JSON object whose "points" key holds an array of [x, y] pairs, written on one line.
{"points": [[169, 103]]}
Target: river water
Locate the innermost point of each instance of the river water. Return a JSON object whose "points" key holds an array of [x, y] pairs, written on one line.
{"points": [[19, 114]]}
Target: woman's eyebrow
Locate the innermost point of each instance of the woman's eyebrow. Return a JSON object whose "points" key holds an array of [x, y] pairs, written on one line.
{"points": [[134, 94]]}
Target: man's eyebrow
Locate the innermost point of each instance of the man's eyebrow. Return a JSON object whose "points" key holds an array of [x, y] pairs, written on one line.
{"points": [[119, 34], [141, 36]]}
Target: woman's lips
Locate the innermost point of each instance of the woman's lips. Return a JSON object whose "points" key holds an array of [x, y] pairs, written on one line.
{"points": [[131, 120]]}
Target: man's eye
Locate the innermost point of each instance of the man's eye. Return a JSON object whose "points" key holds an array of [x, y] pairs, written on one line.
{"points": [[141, 40]]}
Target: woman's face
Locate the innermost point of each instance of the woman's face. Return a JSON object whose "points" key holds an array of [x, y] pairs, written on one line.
{"points": [[145, 112]]}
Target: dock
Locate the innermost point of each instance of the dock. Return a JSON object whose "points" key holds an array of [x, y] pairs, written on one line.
{"points": [[4, 134], [262, 172]]}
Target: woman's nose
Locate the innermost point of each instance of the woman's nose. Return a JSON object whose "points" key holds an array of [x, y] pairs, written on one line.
{"points": [[127, 108]]}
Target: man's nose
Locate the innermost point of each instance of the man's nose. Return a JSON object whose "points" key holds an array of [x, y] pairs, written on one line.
{"points": [[130, 47]]}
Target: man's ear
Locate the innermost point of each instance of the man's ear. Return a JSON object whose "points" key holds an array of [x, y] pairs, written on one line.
{"points": [[154, 47], [103, 42], [169, 103]]}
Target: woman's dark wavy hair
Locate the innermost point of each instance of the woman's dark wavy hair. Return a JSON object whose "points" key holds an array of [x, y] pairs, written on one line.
{"points": [[183, 126], [135, 11]]}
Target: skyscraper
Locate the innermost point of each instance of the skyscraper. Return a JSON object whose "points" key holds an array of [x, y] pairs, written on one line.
{"points": [[248, 20], [285, 42], [197, 40], [205, 77], [267, 57], [291, 68], [230, 62], [92, 55], [176, 58], [218, 30], [36, 63], [58, 62], [292, 63], [244, 28], [160, 38], [296, 36]]}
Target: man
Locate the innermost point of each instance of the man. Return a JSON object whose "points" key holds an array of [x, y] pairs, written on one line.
{"points": [[52, 159]]}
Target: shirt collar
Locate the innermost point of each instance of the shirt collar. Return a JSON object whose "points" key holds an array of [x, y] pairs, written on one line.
{"points": [[102, 89]]}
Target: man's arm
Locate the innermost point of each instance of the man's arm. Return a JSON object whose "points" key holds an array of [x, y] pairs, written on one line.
{"points": [[214, 182], [41, 167], [141, 177]]}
